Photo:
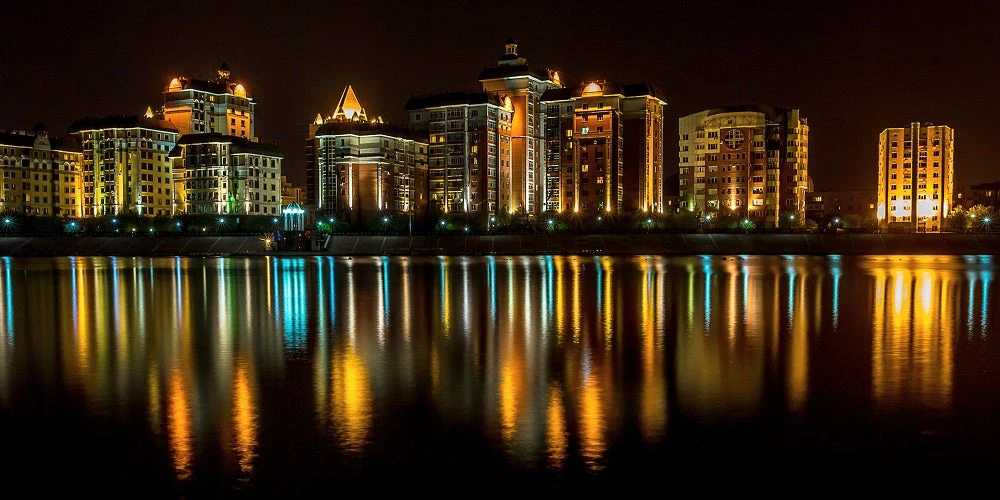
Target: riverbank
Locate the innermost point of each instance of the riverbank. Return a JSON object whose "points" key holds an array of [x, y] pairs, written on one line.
{"points": [[613, 244]]}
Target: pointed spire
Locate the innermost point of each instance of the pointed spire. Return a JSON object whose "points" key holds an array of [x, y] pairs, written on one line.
{"points": [[149, 112], [349, 108]]}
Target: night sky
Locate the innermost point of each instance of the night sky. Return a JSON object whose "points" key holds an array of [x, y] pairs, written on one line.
{"points": [[853, 68]]}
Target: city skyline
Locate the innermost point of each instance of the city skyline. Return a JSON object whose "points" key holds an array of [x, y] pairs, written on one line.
{"points": [[292, 73]]}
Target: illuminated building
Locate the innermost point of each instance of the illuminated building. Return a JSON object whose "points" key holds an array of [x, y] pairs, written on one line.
{"points": [[360, 168], [126, 165], [749, 161], [926, 190], [220, 105], [290, 192], [469, 155], [221, 174], [821, 205], [513, 78], [41, 174], [604, 148]]}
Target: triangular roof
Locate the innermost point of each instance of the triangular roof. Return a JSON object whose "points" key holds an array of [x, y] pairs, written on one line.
{"points": [[349, 108]]}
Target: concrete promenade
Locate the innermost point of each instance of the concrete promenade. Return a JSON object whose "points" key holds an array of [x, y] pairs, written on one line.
{"points": [[540, 244]]}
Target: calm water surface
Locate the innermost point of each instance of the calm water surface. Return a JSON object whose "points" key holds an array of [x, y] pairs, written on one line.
{"points": [[257, 375]]}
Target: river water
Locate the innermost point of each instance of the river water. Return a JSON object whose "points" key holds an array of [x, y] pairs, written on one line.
{"points": [[180, 376]]}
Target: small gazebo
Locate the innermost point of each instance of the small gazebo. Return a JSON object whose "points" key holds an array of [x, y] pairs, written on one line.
{"points": [[294, 216]]}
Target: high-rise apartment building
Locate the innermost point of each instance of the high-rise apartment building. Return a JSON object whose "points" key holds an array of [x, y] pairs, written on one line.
{"points": [[749, 161], [220, 105], [916, 176], [126, 166], [41, 174], [221, 174], [603, 148], [469, 155], [513, 78], [360, 168]]}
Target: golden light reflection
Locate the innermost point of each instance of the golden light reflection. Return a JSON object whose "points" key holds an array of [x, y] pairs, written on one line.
{"points": [[179, 425], [351, 395], [654, 392], [798, 358], [912, 341], [245, 418], [556, 439], [592, 422], [510, 394]]}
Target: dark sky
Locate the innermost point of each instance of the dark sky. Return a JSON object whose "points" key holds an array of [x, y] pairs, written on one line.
{"points": [[853, 68]]}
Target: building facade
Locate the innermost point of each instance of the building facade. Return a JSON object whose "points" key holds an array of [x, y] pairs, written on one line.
{"points": [[41, 174], [469, 155], [218, 105], [824, 205], [603, 149], [986, 194], [360, 168], [126, 167], [220, 174], [290, 193], [747, 161], [916, 177], [513, 78]]}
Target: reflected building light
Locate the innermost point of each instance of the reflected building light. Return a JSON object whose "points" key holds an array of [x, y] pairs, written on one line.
{"points": [[653, 402], [382, 300], [245, 418], [912, 354], [706, 269], [607, 303], [836, 272], [351, 395], [466, 299], [556, 437], [797, 375], [491, 284], [179, 426], [986, 276], [8, 301], [689, 307], [405, 295], [576, 307], [352, 306], [294, 303], [556, 266], [445, 287], [593, 422], [7, 344], [548, 298], [971, 278], [509, 393]]}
